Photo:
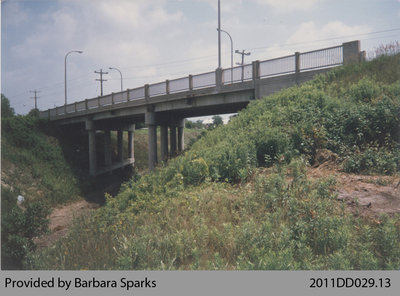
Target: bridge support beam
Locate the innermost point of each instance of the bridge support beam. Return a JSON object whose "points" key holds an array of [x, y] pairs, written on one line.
{"points": [[131, 138], [107, 148], [172, 138], [152, 132], [90, 127], [119, 145], [164, 142], [181, 142]]}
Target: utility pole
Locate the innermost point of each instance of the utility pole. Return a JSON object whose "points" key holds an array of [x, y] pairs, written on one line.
{"points": [[35, 97], [243, 53], [101, 79]]}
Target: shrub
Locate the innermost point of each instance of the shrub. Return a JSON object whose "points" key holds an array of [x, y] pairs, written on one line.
{"points": [[18, 228]]}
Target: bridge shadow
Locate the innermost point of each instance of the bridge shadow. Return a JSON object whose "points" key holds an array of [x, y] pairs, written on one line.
{"points": [[74, 145]]}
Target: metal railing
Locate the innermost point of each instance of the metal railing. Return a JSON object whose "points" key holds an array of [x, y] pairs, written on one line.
{"points": [[278, 66], [323, 58], [312, 60]]}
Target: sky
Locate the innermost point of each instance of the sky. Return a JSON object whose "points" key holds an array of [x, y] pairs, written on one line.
{"points": [[150, 41]]}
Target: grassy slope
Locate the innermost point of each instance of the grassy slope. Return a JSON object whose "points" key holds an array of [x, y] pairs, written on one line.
{"points": [[33, 163], [219, 207]]}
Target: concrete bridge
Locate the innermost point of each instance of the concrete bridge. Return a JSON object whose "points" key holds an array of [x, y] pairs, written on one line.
{"points": [[168, 103]]}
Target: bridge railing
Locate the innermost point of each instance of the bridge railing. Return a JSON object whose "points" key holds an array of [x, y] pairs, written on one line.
{"points": [[278, 66], [136, 93], [203, 80], [238, 74], [322, 58], [307, 61]]}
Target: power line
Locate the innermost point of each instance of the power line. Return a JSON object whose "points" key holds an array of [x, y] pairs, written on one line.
{"points": [[101, 79]]}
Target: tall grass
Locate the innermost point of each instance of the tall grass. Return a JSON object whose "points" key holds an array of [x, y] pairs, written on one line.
{"points": [[241, 199]]}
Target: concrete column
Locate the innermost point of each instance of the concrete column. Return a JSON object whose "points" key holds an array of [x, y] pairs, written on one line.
{"points": [[131, 140], [181, 142], [256, 78], [219, 79], [107, 148], [164, 142], [152, 132], [351, 52], [90, 127], [172, 138], [119, 145], [297, 66]]}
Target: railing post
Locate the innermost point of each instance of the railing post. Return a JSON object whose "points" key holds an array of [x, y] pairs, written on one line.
{"points": [[127, 94], [167, 87], [98, 102], [112, 98], [297, 66], [86, 104], [146, 92], [190, 82], [76, 109], [351, 52], [219, 79], [256, 78]]}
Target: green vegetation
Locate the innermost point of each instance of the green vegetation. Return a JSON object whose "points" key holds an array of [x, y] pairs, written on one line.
{"points": [[240, 197], [33, 165]]}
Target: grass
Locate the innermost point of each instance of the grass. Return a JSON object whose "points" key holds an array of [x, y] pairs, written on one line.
{"points": [[240, 198]]}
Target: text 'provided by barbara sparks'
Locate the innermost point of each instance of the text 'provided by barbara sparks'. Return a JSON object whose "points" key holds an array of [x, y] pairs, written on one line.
{"points": [[78, 283]]}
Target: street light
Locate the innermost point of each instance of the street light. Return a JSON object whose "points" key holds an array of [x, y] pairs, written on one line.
{"points": [[119, 74], [65, 71], [230, 37]]}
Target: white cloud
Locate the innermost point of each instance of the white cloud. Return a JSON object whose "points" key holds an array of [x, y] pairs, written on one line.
{"points": [[15, 14], [226, 6], [311, 32], [290, 5]]}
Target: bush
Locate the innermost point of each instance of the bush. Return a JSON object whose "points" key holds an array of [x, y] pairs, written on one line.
{"points": [[18, 228]]}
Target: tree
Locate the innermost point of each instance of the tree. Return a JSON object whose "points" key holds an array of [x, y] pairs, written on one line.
{"points": [[190, 124], [217, 120], [6, 109]]}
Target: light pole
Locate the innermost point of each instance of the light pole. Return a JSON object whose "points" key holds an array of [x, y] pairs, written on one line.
{"points": [[65, 71], [230, 37], [242, 64], [119, 74], [219, 34]]}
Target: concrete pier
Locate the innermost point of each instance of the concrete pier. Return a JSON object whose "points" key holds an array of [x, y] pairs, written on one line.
{"points": [[107, 148], [90, 127], [164, 142], [152, 141]]}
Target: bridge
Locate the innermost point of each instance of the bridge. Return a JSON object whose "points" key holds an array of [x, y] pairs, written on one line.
{"points": [[168, 103]]}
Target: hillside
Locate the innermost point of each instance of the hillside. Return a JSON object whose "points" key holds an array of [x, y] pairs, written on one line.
{"points": [[247, 195], [48, 167]]}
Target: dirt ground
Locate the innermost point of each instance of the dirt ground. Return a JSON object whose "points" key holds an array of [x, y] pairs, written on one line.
{"points": [[367, 196], [62, 217]]}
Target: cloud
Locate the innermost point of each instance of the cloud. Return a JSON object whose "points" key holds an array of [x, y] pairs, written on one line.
{"points": [[311, 32], [15, 14], [226, 6], [290, 5]]}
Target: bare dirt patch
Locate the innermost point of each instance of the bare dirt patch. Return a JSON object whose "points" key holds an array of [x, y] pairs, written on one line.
{"points": [[61, 218], [367, 196]]}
